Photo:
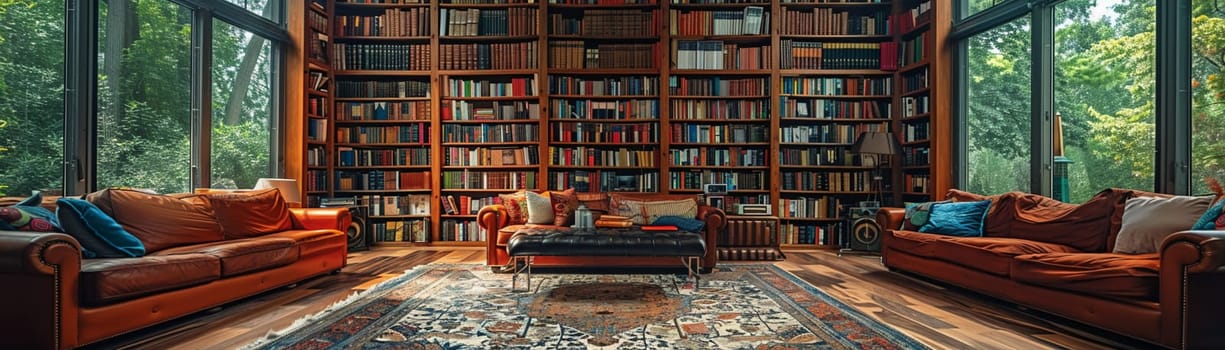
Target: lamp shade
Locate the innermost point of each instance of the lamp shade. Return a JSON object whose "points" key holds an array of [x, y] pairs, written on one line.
{"points": [[872, 142], [288, 187]]}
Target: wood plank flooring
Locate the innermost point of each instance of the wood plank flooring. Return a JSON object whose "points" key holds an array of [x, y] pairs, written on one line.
{"points": [[941, 317]]}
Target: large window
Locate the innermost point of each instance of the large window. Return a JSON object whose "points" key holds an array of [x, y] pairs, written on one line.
{"points": [[1104, 91], [144, 95], [242, 107], [1207, 92], [998, 109], [31, 96]]}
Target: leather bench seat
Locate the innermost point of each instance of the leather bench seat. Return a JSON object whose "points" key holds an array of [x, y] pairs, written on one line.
{"points": [[239, 256], [106, 281], [598, 244]]}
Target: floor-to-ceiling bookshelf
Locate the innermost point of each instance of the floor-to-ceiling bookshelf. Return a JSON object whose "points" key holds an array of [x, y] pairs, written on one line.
{"points": [[485, 97]]}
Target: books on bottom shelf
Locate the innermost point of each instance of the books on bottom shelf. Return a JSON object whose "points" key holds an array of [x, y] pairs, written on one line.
{"points": [[413, 204], [401, 231]]}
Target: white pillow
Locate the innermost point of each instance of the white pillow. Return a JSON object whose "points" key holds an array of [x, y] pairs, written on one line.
{"points": [[540, 209], [1148, 220]]}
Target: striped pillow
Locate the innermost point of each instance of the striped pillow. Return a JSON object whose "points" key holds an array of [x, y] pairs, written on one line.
{"points": [[644, 213]]}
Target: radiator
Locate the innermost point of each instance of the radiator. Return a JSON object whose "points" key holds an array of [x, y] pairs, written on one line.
{"points": [[750, 238]]}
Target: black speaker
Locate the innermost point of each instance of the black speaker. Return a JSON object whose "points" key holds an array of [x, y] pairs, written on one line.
{"points": [[863, 234], [359, 226]]}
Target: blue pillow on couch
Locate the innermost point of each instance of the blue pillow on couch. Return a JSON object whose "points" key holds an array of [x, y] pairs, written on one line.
{"points": [[28, 215], [963, 219], [99, 234], [683, 223]]}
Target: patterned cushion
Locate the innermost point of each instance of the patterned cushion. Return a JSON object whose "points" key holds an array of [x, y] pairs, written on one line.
{"points": [[516, 207], [1212, 219], [643, 212], [539, 208], [564, 204], [28, 215]]}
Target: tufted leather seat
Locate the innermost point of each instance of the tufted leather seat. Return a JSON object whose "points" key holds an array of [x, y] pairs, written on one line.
{"points": [[595, 243]]}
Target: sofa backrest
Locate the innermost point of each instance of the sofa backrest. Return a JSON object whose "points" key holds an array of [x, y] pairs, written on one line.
{"points": [[1089, 227]]}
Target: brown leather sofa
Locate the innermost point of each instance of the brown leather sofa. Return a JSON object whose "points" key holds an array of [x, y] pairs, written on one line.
{"points": [[1056, 257], [54, 299], [495, 220]]}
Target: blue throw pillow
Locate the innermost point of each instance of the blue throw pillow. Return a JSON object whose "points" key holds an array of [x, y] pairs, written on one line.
{"points": [[964, 219], [29, 215], [1209, 220], [683, 223], [917, 214], [100, 236]]}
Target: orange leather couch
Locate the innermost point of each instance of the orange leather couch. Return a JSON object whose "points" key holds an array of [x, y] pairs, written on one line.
{"points": [[495, 220], [1056, 257], [54, 299]]}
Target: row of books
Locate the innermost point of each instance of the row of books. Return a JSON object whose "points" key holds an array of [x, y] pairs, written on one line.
{"points": [[391, 23], [380, 1], [915, 105], [716, 54], [811, 208], [317, 106], [836, 181], [914, 80], [393, 205], [800, 54], [491, 87], [379, 88], [837, 86], [317, 129], [827, 133], [484, 133], [515, 21], [707, 133], [823, 234], [605, 110], [474, 56], [818, 108], [490, 110], [412, 133], [720, 109], [406, 110], [590, 156], [461, 230], [488, 180], [751, 20], [916, 183], [912, 132], [417, 230], [316, 180], [317, 80], [601, 2], [913, 50], [644, 133], [481, 156], [575, 54], [382, 180], [919, 14], [466, 205], [710, 156], [735, 180], [718, 86], [353, 157], [605, 180], [604, 86], [916, 156], [830, 21], [353, 56], [605, 22], [818, 156], [316, 156]]}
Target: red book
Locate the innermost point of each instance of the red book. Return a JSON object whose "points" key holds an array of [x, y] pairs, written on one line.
{"points": [[660, 228]]}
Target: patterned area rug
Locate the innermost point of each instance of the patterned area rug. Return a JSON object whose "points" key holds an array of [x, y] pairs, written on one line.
{"points": [[467, 307]]}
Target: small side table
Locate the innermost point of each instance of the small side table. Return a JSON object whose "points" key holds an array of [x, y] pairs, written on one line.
{"points": [[748, 237]]}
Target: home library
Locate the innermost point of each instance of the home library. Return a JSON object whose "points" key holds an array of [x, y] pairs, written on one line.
{"points": [[459, 101]]}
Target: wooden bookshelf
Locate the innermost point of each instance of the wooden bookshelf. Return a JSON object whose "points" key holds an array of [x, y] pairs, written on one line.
{"points": [[641, 96]]}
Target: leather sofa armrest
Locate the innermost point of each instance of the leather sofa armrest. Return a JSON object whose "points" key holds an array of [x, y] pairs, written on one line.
{"points": [[492, 218], [1191, 278], [890, 218], [40, 306], [715, 219], [321, 218]]}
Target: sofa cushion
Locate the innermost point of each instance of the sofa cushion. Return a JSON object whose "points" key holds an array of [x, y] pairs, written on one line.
{"points": [[247, 214], [988, 254], [647, 212], [100, 236], [28, 215], [516, 207], [1118, 275], [310, 242], [505, 233], [1148, 220], [105, 281], [159, 221], [916, 243], [239, 256], [539, 208], [564, 204], [1212, 219], [964, 219]]}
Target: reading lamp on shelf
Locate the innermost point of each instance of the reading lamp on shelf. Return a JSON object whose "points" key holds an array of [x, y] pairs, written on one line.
{"points": [[288, 187], [875, 143]]}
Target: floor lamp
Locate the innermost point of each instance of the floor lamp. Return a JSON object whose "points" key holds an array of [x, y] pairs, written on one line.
{"points": [[875, 143]]}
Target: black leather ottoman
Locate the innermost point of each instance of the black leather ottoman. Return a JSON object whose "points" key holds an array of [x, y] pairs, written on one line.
{"points": [[530, 242]]}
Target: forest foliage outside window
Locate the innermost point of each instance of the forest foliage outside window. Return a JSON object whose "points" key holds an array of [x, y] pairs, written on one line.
{"points": [[31, 96], [242, 107], [998, 109], [1207, 92]]}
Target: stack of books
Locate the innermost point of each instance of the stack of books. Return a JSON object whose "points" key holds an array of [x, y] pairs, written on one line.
{"points": [[613, 221]]}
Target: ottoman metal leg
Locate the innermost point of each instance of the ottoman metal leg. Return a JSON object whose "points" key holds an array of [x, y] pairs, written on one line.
{"points": [[691, 264], [525, 268]]}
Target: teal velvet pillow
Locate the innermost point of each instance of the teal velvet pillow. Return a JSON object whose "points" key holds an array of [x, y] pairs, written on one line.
{"points": [[29, 215], [100, 236], [964, 219], [917, 214], [1212, 219], [683, 223]]}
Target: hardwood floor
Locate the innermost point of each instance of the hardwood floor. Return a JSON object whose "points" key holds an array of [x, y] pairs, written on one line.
{"points": [[940, 317]]}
